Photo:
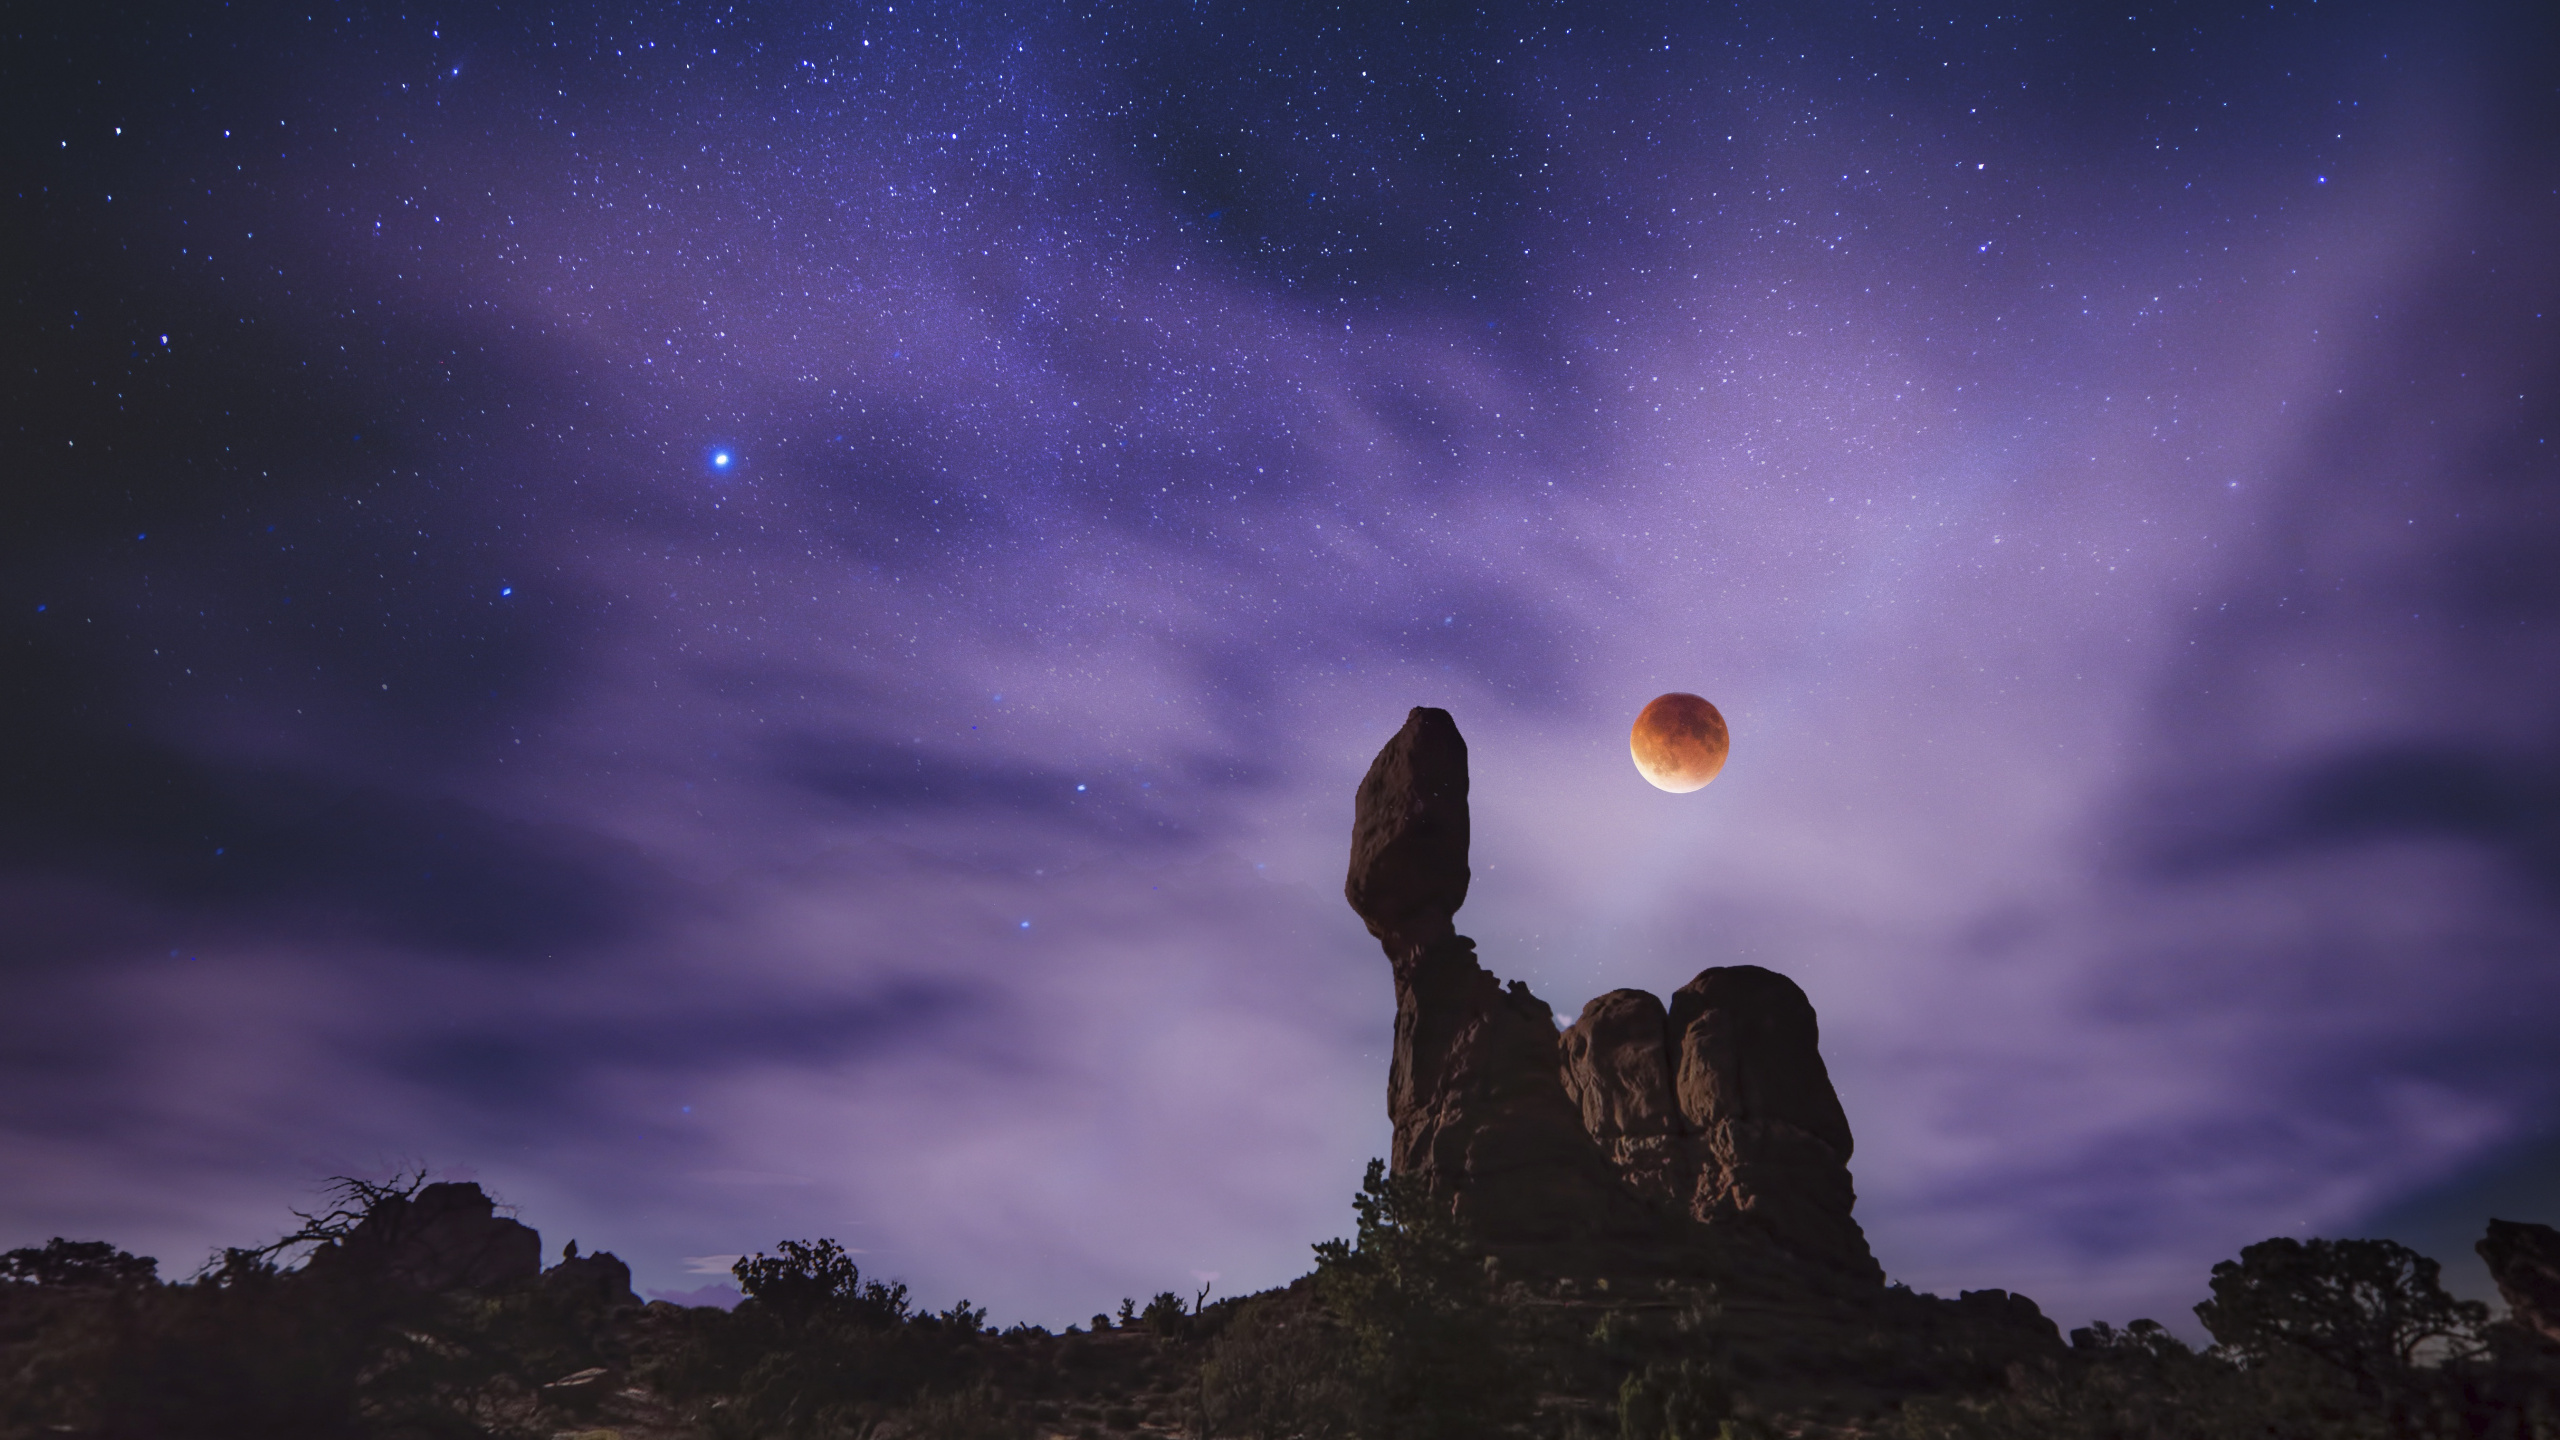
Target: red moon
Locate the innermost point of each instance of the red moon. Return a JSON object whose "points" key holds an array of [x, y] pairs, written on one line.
{"points": [[1679, 743]]}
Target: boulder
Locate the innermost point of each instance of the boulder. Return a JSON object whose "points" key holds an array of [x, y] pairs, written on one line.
{"points": [[600, 1279], [1409, 836], [2524, 1258], [448, 1237]]}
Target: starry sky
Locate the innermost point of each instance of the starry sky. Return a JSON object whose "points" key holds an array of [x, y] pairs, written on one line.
{"points": [[759, 621]]}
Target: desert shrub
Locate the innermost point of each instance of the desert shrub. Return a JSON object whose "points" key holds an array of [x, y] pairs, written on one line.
{"points": [[84, 1264], [1166, 1314], [2138, 1383], [963, 1319], [1425, 1338], [805, 1282], [1278, 1371], [2142, 1383], [253, 1352], [817, 1350], [973, 1414], [56, 1346], [1677, 1400], [62, 1305]]}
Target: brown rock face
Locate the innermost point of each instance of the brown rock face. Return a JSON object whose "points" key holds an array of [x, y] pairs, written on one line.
{"points": [[2524, 1259], [1618, 1070], [1721, 1107], [1775, 1143], [1478, 1113], [449, 1238], [1633, 1122], [1409, 840]]}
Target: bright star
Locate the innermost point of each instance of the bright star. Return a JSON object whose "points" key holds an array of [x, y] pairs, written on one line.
{"points": [[720, 459]]}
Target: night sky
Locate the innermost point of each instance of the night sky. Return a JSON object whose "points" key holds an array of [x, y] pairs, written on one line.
{"points": [[759, 621]]}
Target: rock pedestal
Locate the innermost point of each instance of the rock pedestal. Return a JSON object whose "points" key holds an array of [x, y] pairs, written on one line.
{"points": [[1480, 1118], [1636, 1126]]}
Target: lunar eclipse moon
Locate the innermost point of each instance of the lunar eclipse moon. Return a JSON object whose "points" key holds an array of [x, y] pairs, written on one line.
{"points": [[1679, 742]]}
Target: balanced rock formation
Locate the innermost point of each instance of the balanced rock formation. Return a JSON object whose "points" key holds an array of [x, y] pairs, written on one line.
{"points": [[2524, 1259], [448, 1237], [1638, 1123]]}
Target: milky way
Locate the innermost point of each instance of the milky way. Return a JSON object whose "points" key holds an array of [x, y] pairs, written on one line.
{"points": [[760, 623]]}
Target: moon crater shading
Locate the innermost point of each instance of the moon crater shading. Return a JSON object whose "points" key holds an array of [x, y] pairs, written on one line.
{"points": [[1679, 742]]}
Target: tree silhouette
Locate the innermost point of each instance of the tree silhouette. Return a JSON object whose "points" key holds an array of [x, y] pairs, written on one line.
{"points": [[805, 1281], [1426, 1342], [90, 1263], [2369, 1307]]}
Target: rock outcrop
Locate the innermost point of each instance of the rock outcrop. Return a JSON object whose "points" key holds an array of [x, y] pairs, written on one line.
{"points": [[1773, 1141], [1720, 1106], [1617, 1066], [597, 1279], [448, 1237], [2524, 1259], [1636, 1126]]}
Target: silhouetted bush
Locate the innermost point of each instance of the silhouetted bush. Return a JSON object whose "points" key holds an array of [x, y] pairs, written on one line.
{"points": [[974, 1414], [91, 1264], [1166, 1314], [816, 1350], [1280, 1370], [2318, 1340], [808, 1282], [1425, 1338]]}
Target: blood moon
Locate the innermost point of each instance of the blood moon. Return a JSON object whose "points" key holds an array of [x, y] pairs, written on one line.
{"points": [[1679, 742]]}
